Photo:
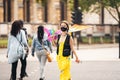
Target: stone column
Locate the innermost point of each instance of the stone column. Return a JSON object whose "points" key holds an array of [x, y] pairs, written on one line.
{"points": [[53, 11], [58, 12], [39, 13], [33, 11], [89, 35], [15, 9], [1, 12], [68, 12], [113, 35], [101, 39], [89, 39]]}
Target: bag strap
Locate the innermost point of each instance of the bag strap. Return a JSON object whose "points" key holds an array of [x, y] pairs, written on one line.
{"points": [[43, 45], [17, 40]]}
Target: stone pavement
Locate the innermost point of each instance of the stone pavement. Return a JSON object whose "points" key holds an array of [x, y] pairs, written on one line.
{"points": [[97, 52], [87, 70], [99, 62]]}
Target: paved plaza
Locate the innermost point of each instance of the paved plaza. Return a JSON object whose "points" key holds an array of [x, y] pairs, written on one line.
{"points": [[98, 63]]}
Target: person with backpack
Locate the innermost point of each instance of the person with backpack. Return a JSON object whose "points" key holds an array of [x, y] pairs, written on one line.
{"points": [[15, 51], [40, 45], [64, 48]]}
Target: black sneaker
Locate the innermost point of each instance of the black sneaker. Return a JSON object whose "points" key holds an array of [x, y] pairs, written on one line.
{"points": [[20, 78], [26, 75], [41, 79], [10, 77]]}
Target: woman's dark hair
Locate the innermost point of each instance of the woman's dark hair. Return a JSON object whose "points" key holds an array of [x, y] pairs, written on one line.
{"points": [[40, 33], [15, 28], [21, 23]]}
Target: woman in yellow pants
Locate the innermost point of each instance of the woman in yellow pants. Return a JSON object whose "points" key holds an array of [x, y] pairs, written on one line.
{"points": [[64, 47]]}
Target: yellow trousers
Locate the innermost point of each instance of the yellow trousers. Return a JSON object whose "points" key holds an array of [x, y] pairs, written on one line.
{"points": [[64, 66]]}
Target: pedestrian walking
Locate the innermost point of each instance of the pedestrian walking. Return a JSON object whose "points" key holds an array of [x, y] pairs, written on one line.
{"points": [[24, 61], [16, 40], [64, 48], [39, 45]]}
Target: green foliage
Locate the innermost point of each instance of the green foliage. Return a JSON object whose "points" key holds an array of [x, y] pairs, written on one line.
{"points": [[86, 4], [95, 40], [64, 1], [70, 2], [4, 42], [38, 1], [42, 2], [115, 4], [111, 3]]}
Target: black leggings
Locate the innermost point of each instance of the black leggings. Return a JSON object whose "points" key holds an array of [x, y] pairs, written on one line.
{"points": [[23, 67], [13, 70]]}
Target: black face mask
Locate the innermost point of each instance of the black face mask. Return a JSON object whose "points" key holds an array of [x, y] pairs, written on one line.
{"points": [[63, 29]]}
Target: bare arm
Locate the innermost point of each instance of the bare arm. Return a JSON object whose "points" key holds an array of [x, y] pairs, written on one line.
{"points": [[72, 48]]}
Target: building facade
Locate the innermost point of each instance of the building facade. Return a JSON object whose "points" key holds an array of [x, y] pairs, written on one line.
{"points": [[52, 12], [34, 12]]}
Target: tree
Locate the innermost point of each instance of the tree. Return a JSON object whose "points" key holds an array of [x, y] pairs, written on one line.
{"points": [[112, 5], [85, 5], [43, 2], [109, 5]]}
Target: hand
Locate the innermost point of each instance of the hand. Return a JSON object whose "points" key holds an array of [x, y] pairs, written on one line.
{"points": [[27, 51], [77, 61], [7, 56], [47, 53], [33, 55]]}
